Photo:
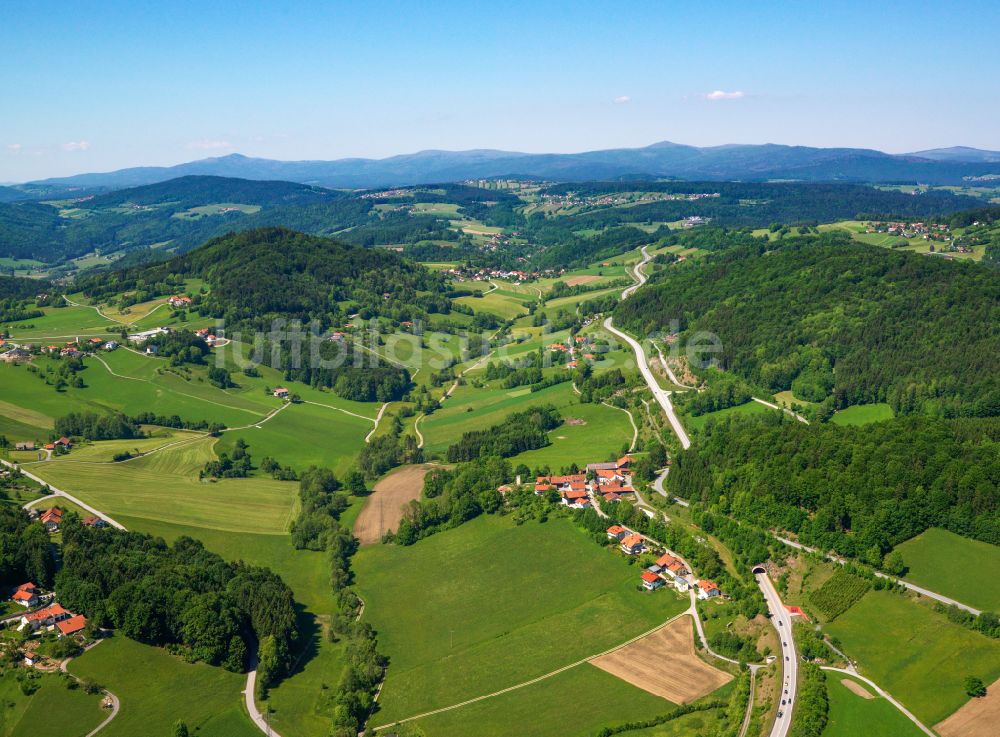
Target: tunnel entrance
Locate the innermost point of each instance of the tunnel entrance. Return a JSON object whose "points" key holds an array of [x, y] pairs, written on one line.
{"points": [[758, 569]]}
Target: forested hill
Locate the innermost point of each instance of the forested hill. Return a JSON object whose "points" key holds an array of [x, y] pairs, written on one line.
{"points": [[18, 288], [857, 490], [257, 275], [192, 191], [840, 323]]}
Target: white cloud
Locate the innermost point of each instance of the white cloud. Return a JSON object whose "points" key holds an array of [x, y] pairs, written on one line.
{"points": [[622, 100], [720, 95], [76, 146], [14, 148], [205, 145]]}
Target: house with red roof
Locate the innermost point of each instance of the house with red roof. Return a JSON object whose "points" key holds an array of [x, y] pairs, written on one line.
{"points": [[71, 626], [280, 392], [611, 497], [30, 658], [46, 617], [650, 581], [617, 532], [26, 595], [633, 544], [708, 589], [52, 518], [179, 301]]}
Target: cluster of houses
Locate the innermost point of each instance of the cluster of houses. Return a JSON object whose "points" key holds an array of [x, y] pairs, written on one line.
{"points": [[179, 301], [927, 231], [208, 336], [461, 274], [52, 518], [572, 349], [29, 445], [51, 617], [572, 199], [71, 349], [669, 569], [609, 481]]}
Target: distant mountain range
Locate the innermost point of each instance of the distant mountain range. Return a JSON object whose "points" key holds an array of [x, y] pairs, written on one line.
{"points": [[665, 159]]}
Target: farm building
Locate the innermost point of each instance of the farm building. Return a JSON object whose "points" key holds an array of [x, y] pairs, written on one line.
{"points": [[280, 392], [52, 518]]}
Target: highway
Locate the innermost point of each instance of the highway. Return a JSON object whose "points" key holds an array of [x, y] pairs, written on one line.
{"points": [[782, 622]]}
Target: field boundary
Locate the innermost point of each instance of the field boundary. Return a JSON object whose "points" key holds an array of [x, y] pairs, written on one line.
{"points": [[533, 681]]}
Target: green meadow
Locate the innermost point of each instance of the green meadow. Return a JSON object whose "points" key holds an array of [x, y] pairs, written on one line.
{"points": [[935, 555], [852, 715], [576, 703], [862, 414], [157, 689], [914, 653], [164, 486], [62, 711], [490, 604]]}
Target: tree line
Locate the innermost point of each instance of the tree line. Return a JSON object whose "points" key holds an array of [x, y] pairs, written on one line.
{"points": [[179, 596]]}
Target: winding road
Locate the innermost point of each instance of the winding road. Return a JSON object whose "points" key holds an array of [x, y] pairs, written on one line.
{"points": [[661, 395]]}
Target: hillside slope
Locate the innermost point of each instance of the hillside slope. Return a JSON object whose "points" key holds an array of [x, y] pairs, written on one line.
{"points": [[840, 323]]}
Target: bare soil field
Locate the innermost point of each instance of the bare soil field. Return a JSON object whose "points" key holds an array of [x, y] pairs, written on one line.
{"points": [[856, 688], [978, 718], [665, 664], [384, 508], [584, 279]]}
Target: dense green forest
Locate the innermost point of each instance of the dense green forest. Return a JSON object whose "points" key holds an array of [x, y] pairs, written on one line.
{"points": [[25, 552], [857, 490], [839, 323], [259, 275], [180, 596]]}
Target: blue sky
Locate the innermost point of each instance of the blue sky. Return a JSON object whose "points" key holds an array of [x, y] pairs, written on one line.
{"points": [[92, 87]]}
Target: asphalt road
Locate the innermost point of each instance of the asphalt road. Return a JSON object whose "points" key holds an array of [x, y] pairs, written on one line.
{"points": [[782, 622]]}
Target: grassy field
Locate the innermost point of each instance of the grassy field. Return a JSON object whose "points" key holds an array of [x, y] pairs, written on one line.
{"points": [[164, 486], [62, 711], [914, 653], [697, 423], [66, 323], [862, 414], [469, 628], [501, 303], [935, 555], [305, 435], [605, 432], [576, 703], [852, 715], [156, 689]]}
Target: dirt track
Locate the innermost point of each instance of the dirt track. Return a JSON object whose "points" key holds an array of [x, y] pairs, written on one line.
{"points": [[384, 508], [977, 718], [664, 663]]}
